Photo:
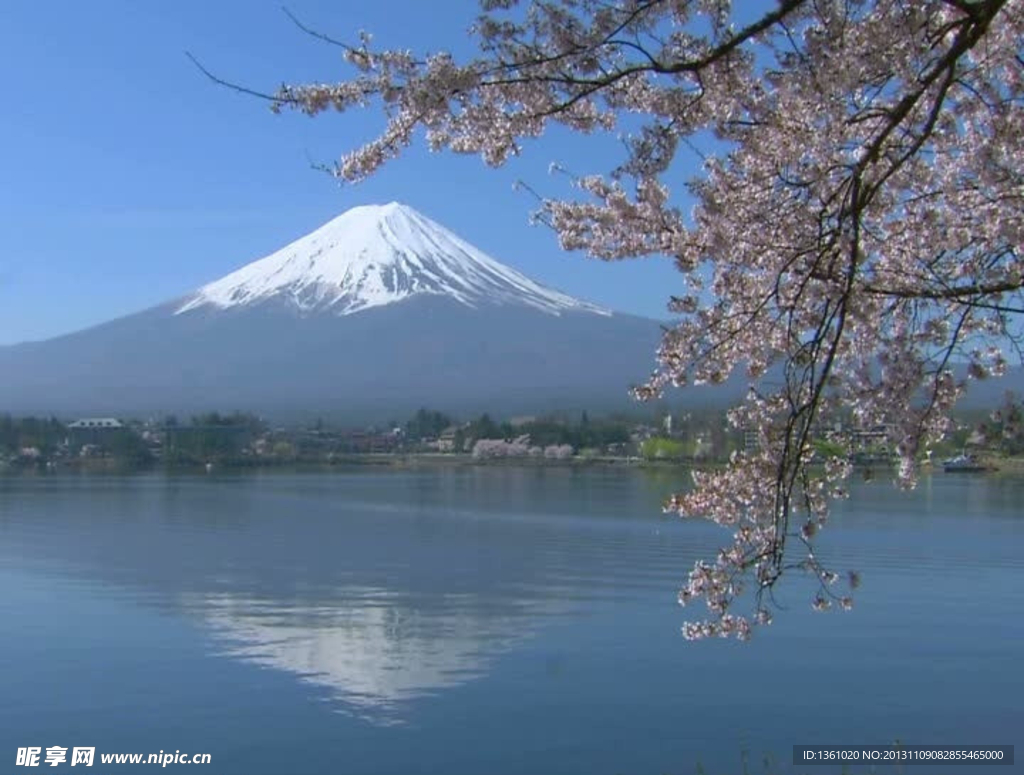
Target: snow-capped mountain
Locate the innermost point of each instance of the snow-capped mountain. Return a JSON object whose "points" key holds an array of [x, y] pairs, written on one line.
{"points": [[379, 312], [374, 255]]}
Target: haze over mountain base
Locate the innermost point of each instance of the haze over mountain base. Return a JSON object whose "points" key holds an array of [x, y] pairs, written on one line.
{"points": [[378, 364]]}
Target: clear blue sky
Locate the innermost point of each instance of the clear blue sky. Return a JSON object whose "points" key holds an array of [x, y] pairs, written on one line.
{"points": [[129, 179]]}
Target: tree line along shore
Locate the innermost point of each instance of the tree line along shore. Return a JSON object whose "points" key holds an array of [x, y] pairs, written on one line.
{"points": [[432, 437]]}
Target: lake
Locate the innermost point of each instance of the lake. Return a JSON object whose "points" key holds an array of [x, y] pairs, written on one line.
{"points": [[486, 620]]}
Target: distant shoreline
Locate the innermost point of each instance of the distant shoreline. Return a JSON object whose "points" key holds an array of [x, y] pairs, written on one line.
{"points": [[1013, 466], [385, 460]]}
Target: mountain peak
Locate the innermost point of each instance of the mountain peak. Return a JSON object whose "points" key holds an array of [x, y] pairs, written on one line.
{"points": [[374, 255]]}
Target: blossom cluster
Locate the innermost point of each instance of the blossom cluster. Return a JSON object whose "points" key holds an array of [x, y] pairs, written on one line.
{"points": [[519, 447]]}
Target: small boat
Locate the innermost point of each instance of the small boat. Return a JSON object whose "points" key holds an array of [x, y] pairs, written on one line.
{"points": [[963, 464]]}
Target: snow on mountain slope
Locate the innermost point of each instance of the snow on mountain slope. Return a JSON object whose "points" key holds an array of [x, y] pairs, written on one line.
{"points": [[375, 255]]}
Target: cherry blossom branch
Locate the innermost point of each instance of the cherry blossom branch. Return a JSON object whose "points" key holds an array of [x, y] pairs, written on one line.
{"points": [[230, 85]]}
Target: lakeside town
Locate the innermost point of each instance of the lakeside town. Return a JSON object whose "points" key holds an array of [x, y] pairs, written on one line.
{"points": [[241, 440]]}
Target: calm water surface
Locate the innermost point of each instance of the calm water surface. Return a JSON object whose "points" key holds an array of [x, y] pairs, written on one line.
{"points": [[484, 620]]}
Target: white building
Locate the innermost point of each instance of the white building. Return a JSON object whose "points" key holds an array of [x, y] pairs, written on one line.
{"points": [[95, 423]]}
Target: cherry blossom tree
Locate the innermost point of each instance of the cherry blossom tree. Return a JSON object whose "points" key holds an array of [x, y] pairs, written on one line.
{"points": [[499, 448], [856, 232]]}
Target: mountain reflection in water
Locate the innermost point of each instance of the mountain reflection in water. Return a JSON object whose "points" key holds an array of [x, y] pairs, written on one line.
{"points": [[370, 649]]}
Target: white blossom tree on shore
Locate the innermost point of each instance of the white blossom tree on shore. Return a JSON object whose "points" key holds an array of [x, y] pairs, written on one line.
{"points": [[857, 224]]}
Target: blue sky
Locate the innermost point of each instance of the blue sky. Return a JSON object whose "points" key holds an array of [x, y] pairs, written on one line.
{"points": [[129, 179]]}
